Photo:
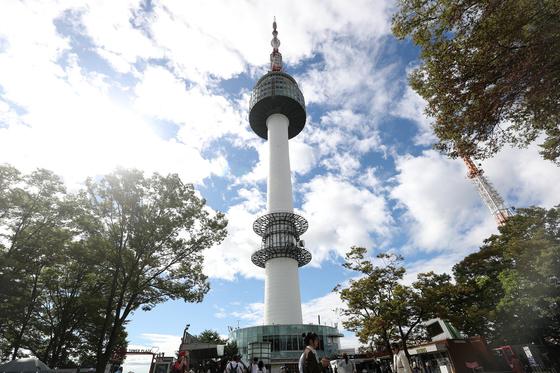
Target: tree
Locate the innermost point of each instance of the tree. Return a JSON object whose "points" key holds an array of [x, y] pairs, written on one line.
{"points": [[32, 215], [367, 297], [74, 266], [69, 304], [489, 74], [230, 351], [379, 308], [513, 291], [479, 291], [211, 336], [151, 233]]}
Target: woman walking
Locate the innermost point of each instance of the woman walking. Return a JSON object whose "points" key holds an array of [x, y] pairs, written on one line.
{"points": [[345, 365], [308, 362]]}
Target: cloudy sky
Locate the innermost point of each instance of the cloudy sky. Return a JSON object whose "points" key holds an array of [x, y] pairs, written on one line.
{"points": [[86, 86]]}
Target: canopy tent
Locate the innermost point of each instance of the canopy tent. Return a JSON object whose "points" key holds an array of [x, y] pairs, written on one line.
{"points": [[27, 365]]}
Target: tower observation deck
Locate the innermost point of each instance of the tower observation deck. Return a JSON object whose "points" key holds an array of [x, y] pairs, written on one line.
{"points": [[277, 114]]}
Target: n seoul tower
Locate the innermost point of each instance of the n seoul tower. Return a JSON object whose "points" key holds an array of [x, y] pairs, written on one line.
{"points": [[277, 114]]}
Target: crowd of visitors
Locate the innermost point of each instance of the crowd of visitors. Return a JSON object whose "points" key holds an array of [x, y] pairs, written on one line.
{"points": [[309, 362]]}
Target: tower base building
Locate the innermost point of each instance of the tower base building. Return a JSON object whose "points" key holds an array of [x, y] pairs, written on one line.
{"points": [[277, 114], [282, 345]]}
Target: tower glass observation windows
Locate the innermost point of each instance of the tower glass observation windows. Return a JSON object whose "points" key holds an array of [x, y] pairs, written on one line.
{"points": [[276, 83]]}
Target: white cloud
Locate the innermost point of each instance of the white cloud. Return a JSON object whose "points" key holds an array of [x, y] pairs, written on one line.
{"points": [[79, 135], [220, 43], [345, 163], [443, 211], [411, 107], [67, 119], [352, 75], [328, 307], [201, 43], [233, 256], [253, 313], [440, 263], [167, 343], [114, 28], [340, 215], [201, 116], [523, 177], [442, 206]]}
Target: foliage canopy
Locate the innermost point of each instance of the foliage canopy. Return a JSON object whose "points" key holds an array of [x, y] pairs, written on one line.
{"points": [[74, 266], [489, 71]]}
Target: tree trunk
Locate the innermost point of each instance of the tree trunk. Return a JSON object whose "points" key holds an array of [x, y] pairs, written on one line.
{"points": [[99, 353], [387, 343], [16, 344], [404, 339], [100, 364]]}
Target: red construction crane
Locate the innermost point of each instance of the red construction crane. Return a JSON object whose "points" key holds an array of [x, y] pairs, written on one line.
{"points": [[489, 195]]}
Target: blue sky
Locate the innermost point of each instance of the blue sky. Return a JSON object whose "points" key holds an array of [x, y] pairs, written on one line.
{"points": [[86, 86]]}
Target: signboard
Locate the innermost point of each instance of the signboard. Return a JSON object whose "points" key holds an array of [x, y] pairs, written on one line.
{"points": [[530, 356], [139, 351]]}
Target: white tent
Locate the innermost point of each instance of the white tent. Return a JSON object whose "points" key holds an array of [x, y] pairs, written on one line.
{"points": [[27, 365]]}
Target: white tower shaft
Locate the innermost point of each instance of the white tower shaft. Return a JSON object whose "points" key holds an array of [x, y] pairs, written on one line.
{"points": [[282, 300], [279, 176]]}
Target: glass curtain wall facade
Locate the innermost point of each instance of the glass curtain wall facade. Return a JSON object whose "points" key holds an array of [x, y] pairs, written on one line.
{"points": [[286, 342]]}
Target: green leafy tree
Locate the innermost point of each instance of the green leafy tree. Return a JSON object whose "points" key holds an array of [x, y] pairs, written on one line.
{"points": [[510, 289], [151, 233], [69, 301], [230, 351], [479, 291], [380, 309], [489, 71], [211, 336], [32, 221], [531, 285], [367, 297], [73, 267]]}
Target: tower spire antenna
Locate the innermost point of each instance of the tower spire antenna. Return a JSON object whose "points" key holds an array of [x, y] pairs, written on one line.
{"points": [[275, 56]]}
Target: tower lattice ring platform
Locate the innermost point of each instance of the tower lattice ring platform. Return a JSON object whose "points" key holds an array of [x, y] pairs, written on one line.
{"points": [[280, 232]]}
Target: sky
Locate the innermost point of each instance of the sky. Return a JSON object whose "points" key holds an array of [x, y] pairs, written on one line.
{"points": [[164, 86]]}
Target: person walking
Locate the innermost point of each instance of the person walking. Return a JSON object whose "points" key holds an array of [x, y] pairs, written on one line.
{"points": [[308, 362], [254, 367], [400, 362], [182, 363], [345, 365], [326, 365], [234, 366], [260, 367]]}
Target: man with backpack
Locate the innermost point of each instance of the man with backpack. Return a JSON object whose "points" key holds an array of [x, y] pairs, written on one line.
{"points": [[234, 366]]}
